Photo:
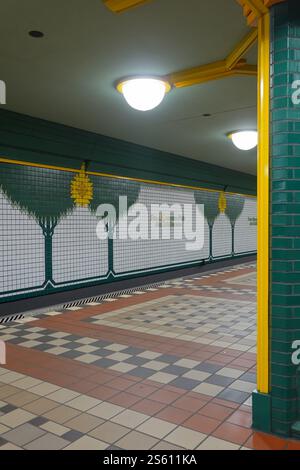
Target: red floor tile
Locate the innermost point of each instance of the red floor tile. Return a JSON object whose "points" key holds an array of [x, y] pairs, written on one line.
{"points": [[103, 392], [241, 418], [174, 415], [189, 404], [84, 386], [141, 390], [148, 407], [202, 424], [101, 377], [124, 399], [165, 396], [120, 383], [231, 432], [216, 411], [293, 445], [226, 403], [260, 441]]}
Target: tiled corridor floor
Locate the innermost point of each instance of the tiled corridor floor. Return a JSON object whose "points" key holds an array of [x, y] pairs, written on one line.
{"points": [[166, 367]]}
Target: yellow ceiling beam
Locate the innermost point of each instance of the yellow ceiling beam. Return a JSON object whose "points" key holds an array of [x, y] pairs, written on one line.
{"points": [[269, 3], [247, 69], [119, 6], [257, 6], [196, 75], [209, 72], [234, 64], [254, 9], [241, 49]]}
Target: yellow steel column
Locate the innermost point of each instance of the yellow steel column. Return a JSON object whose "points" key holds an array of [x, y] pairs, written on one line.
{"points": [[263, 203]]}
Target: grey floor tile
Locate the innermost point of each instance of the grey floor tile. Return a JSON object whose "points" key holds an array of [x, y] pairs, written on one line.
{"points": [[169, 358], [233, 395], [43, 347], [16, 340], [38, 421], [8, 408], [72, 435], [187, 384], [208, 367], [101, 343], [2, 442], [45, 339], [23, 434], [72, 337], [176, 370], [104, 362], [142, 372], [71, 345], [248, 377], [47, 442], [133, 351], [72, 354], [101, 352], [137, 361], [219, 380]]}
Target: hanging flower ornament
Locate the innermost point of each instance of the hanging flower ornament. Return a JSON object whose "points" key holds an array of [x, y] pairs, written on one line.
{"points": [[222, 202], [82, 188]]}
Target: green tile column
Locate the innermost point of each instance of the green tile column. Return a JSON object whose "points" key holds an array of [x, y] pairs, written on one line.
{"points": [[285, 217]]}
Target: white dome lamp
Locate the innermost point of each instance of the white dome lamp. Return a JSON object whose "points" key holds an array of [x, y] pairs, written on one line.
{"points": [[244, 140], [143, 93]]}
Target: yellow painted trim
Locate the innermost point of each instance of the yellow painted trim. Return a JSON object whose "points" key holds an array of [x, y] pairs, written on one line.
{"points": [[122, 82], [38, 165], [241, 48], [108, 175], [263, 204], [120, 6]]}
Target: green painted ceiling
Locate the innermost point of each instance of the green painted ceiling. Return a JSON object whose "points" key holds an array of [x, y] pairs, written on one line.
{"points": [[68, 76]]}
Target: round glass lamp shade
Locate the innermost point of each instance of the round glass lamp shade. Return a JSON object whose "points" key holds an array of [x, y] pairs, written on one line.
{"points": [[143, 94], [244, 140]]}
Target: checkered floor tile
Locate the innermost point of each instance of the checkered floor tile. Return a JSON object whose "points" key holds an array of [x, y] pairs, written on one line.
{"points": [[170, 366]]}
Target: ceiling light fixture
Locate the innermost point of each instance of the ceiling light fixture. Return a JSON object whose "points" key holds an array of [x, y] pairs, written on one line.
{"points": [[143, 93], [244, 140]]}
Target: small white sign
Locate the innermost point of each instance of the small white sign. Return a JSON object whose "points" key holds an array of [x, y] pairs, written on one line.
{"points": [[296, 353], [2, 353], [2, 92], [296, 93]]}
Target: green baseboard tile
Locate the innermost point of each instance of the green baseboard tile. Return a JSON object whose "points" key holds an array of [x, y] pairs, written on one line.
{"points": [[261, 411], [286, 414], [282, 428]]}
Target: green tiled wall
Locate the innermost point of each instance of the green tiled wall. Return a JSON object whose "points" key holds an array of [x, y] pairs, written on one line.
{"points": [[38, 141], [285, 215]]}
